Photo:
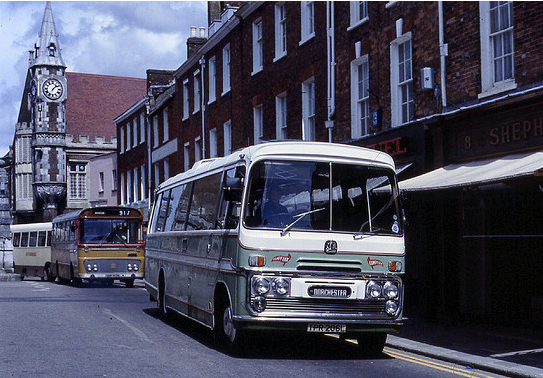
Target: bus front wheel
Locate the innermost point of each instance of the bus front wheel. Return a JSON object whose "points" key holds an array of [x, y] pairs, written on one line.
{"points": [[225, 331]]}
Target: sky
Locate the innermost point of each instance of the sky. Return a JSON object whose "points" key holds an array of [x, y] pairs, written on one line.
{"points": [[97, 37]]}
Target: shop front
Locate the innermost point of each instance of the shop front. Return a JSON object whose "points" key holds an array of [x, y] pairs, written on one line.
{"points": [[475, 233]]}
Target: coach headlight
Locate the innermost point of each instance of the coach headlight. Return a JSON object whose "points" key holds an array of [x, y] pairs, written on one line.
{"points": [[261, 285], [390, 290], [374, 289], [281, 286]]}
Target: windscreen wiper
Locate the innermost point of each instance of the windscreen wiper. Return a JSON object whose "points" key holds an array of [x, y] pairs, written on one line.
{"points": [[298, 218]]}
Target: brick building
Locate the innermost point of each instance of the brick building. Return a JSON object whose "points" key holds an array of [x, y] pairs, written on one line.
{"points": [[444, 87]]}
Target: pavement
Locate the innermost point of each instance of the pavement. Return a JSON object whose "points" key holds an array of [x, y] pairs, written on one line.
{"points": [[512, 352]]}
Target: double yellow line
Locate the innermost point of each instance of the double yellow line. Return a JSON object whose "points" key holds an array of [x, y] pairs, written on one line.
{"points": [[433, 365]]}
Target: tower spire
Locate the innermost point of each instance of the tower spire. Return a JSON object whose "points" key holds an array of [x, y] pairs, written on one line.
{"points": [[47, 48]]}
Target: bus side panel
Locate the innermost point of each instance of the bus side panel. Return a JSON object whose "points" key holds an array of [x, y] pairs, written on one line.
{"points": [[206, 248]]}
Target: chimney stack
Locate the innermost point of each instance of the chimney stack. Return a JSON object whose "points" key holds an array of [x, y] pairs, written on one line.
{"points": [[194, 42]]}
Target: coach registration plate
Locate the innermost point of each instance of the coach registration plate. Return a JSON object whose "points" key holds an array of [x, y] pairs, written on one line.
{"points": [[326, 328]]}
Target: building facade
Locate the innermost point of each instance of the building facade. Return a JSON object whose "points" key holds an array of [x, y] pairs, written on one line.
{"points": [[441, 86], [65, 119], [103, 180]]}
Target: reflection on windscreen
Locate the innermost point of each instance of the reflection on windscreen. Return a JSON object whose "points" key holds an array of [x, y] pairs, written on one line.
{"points": [[322, 196], [112, 231]]}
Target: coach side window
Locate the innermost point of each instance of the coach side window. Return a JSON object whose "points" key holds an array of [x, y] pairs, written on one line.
{"points": [[16, 239], [182, 209], [175, 196], [42, 235], [205, 200], [162, 211], [24, 239]]}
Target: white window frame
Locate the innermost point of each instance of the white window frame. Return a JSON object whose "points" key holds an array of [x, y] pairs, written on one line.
{"points": [[80, 176], [114, 180], [308, 109], [142, 128], [186, 156], [396, 87], [166, 169], [135, 184], [157, 175], [213, 143], [226, 69], [166, 123], [489, 85], [129, 188], [197, 91], [258, 123], [227, 137], [101, 182], [197, 149], [212, 79], [128, 136], [281, 113], [135, 131], [186, 95], [258, 52], [121, 130], [123, 188], [155, 131], [358, 17], [142, 182], [360, 125], [307, 19], [280, 31]]}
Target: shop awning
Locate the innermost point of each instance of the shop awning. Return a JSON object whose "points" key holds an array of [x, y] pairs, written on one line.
{"points": [[476, 172]]}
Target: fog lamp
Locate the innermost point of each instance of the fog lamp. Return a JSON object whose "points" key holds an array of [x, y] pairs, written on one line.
{"points": [[259, 304], [391, 307]]}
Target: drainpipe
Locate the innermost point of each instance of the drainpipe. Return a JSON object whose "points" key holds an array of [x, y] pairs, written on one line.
{"points": [[203, 106], [331, 74], [443, 52]]}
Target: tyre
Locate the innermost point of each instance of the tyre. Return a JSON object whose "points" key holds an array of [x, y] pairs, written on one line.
{"points": [[161, 298], [129, 283], [372, 344], [225, 332]]}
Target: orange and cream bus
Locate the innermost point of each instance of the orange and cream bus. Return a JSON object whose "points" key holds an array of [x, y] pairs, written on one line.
{"points": [[98, 244]]}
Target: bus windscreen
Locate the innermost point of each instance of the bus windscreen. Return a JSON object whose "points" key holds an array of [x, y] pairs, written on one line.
{"points": [[110, 231]]}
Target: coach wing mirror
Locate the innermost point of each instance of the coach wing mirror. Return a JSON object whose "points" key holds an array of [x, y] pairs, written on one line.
{"points": [[232, 189]]}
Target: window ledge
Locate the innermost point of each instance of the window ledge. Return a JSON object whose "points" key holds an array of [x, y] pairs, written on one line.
{"points": [[307, 38], [226, 92], [211, 101], [277, 58], [258, 70], [498, 88], [358, 23]]}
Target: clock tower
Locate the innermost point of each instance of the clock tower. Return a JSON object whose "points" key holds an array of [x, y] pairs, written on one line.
{"points": [[47, 105]]}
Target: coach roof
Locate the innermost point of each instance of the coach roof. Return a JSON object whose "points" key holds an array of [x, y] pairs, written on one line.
{"points": [[302, 149]]}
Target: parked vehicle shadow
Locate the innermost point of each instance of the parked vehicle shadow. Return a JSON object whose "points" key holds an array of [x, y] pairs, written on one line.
{"points": [[271, 345]]}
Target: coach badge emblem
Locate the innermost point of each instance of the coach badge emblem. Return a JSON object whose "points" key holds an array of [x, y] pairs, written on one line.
{"points": [[330, 247]]}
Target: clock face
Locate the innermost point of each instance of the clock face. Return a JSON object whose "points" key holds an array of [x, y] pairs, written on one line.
{"points": [[52, 89]]}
